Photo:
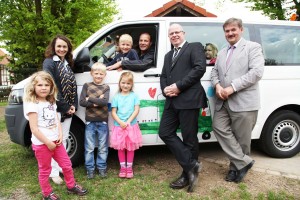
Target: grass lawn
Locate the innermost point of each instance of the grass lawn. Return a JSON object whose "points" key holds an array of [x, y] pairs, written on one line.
{"points": [[153, 171]]}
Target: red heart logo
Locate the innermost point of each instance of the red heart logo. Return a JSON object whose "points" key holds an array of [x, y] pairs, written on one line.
{"points": [[152, 92]]}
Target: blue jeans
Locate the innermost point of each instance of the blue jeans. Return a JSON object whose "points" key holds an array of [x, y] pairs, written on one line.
{"points": [[96, 134]]}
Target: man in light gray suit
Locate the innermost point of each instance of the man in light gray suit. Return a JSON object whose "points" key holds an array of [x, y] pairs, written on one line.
{"points": [[235, 77]]}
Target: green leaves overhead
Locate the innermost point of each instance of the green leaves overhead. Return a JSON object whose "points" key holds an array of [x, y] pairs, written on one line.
{"points": [[27, 26], [275, 9]]}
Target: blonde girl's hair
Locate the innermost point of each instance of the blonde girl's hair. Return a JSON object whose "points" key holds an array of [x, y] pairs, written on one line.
{"points": [[98, 66], [126, 38], [129, 77], [214, 49], [29, 93]]}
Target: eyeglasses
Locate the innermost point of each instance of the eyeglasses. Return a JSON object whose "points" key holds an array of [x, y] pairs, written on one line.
{"points": [[175, 33]]}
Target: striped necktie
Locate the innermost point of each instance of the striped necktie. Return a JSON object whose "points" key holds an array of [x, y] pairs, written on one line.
{"points": [[176, 50]]}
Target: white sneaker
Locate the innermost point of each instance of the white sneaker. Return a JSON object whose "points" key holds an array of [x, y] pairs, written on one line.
{"points": [[57, 180]]}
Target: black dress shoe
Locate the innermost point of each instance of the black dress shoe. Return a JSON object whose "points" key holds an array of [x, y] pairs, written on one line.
{"points": [[193, 177], [242, 172], [231, 176], [180, 183]]}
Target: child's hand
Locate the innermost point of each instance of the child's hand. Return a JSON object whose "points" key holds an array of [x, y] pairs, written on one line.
{"points": [[51, 145], [123, 125], [101, 96], [59, 141]]}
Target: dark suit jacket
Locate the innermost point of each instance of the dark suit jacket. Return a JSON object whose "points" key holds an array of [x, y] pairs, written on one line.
{"points": [[186, 71]]}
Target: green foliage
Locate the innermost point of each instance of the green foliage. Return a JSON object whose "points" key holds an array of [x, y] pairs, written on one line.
{"points": [[4, 93], [275, 9], [27, 26], [2, 124]]}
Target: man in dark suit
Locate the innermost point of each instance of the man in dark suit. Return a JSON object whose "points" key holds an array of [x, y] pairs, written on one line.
{"points": [[235, 77], [180, 83]]}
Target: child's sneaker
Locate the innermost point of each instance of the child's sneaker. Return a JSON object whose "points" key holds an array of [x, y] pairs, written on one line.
{"points": [[122, 173], [90, 174], [77, 189], [51, 196], [129, 173], [102, 173]]}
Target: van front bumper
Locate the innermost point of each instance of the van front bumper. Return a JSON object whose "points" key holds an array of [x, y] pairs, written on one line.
{"points": [[16, 125]]}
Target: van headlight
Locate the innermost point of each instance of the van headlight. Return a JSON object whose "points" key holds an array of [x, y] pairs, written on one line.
{"points": [[16, 97]]}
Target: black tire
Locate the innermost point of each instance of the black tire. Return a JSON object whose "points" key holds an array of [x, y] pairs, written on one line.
{"points": [[280, 136], [75, 144]]}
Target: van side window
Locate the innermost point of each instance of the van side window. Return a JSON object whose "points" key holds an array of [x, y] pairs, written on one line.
{"points": [[209, 33], [106, 48], [281, 44]]}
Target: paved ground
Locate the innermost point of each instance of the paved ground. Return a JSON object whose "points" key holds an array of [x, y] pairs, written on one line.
{"points": [[289, 167]]}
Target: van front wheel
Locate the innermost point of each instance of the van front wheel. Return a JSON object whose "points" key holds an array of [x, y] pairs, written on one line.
{"points": [[281, 134], [75, 144]]}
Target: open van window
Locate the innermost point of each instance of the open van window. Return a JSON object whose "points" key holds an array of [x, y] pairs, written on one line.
{"points": [[105, 49]]}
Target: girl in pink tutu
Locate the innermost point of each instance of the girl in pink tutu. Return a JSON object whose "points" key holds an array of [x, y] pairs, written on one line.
{"points": [[126, 136]]}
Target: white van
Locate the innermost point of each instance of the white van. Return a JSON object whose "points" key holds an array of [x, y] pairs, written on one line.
{"points": [[278, 123]]}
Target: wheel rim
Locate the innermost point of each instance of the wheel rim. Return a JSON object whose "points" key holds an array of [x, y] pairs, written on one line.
{"points": [[285, 135], [71, 144]]}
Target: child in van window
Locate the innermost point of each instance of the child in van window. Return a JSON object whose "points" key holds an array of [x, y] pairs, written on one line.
{"points": [[211, 52], [40, 109], [125, 50], [94, 96], [126, 136]]}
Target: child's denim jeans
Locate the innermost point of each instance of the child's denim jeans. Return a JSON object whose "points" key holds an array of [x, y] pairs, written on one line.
{"points": [[96, 134]]}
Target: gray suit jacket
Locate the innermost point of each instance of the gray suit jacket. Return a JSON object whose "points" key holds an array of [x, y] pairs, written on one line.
{"points": [[244, 70]]}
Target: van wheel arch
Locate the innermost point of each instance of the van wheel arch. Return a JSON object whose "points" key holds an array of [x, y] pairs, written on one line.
{"points": [[280, 136]]}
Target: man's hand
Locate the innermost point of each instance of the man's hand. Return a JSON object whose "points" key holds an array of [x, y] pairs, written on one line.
{"points": [[171, 90], [223, 93], [228, 91], [219, 92]]}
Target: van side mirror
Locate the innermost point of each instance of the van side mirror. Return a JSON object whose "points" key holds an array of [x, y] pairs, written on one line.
{"points": [[82, 61]]}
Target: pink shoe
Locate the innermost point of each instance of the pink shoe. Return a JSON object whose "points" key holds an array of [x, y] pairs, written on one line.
{"points": [[129, 172], [122, 173]]}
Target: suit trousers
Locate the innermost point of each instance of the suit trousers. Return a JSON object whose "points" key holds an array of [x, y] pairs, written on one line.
{"points": [[233, 132], [186, 151]]}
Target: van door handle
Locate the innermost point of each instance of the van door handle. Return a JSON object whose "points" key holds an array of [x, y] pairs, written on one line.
{"points": [[151, 75]]}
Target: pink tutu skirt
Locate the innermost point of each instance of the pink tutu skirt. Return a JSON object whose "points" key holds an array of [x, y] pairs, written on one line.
{"points": [[129, 138]]}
